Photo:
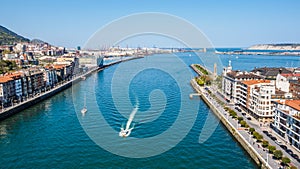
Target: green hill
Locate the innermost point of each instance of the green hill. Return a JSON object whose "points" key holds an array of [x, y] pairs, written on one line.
{"points": [[8, 37]]}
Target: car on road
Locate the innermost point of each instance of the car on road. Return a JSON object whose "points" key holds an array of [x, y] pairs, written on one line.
{"points": [[278, 142], [273, 138], [249, 118], [266, 132], [283, 147], [289, 151], [269, 135], [295, 156], [244, 114]]}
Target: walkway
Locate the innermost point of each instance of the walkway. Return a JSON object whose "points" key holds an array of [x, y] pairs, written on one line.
{"points": [[246, 135]]}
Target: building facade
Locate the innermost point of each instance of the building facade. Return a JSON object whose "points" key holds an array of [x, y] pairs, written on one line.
{"points": [[255, 97], [231, 83], [287, 121]]}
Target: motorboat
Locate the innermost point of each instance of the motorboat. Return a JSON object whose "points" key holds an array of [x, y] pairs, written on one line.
{"points": [[84, 109], [125, 132]]}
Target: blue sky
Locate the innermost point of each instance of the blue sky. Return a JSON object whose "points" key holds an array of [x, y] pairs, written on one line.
{"points": [[226, 23]]}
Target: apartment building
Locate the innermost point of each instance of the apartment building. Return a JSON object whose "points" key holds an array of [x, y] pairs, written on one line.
{"points": [[255, 96], [7, 89], [231, 82], [287, 121]]}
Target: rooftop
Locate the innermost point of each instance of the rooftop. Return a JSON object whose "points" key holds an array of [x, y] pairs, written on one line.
{"points": [[4, 79], [253, 82], [295, 104], [290, 74], [271, 71], [243, 75]]}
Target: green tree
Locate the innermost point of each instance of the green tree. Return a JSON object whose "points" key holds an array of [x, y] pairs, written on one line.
{"points": [[252, 130], [243, 123], [265, 143], [232, 113], [285, 160], [240, 118], [271, 148], [259, 137], [293, 167], [277, 154]]}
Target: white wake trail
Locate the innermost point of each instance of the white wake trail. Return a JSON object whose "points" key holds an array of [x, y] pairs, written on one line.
{"points": [[126, 132], [131, 117]]}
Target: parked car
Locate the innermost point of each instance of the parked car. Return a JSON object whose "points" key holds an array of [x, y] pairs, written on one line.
{"points": [[295, 156], [269, 135], [244, 114], [289, 151], [266, 132], [283, 147], [273, 138], [278, 142], [249, 118]]}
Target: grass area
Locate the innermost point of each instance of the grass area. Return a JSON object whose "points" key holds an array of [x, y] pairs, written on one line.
{"points": [[204, 71]]}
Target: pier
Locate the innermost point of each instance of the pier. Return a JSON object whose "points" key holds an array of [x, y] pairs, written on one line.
{"points": [[194, 94]]}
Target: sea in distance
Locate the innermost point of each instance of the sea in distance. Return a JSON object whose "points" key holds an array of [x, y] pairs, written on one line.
{"points": [[54, 134]]}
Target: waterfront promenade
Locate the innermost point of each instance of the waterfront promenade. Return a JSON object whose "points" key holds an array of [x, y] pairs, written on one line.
{"points": [[17, 107], [260, 155], [30, 101]]}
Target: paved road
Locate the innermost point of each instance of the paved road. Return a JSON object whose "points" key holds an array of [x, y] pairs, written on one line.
{"points": [[252, 123]]}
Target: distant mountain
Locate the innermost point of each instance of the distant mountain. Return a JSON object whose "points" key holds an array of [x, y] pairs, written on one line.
{"points": [[8, 37], [283, 46], [37, 41]]}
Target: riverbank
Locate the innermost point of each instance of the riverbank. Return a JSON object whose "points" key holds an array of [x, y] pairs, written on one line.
{"points": [[9, 111], [260, 161]]}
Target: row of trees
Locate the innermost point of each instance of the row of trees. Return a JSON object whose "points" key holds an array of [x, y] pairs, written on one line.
{"points": [[203, 71], [277, 154], [259, 138]]}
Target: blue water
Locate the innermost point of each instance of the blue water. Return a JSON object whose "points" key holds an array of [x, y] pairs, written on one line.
{"points": [[50, 134]]}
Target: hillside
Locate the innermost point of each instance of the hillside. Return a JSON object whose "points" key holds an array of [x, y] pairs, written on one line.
{"points": [[285, 46], [37, 41], [8, 37]]}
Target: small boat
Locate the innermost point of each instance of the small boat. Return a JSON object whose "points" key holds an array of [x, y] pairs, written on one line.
{"points": [[83, 77], [125, 132], [84, 109]]}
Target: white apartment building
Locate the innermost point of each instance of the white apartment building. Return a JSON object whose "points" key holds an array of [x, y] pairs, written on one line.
{"points": [[283, 81], [255, 96], [231, 82]]}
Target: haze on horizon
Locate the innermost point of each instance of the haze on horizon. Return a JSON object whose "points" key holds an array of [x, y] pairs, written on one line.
{"points": [[225, 23]]}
